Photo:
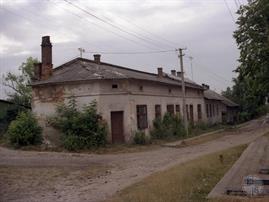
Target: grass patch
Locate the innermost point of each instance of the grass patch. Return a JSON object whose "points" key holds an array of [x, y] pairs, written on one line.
{"points": [[191, 181], [200, 139]]}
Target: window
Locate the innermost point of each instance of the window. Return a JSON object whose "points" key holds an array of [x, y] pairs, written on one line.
{"points": [[178, 109], [187, 112], [141, 88], [191, 113], [170, 90], [210, 110], [199, 111], [213, 109], [158, 111], [142, 119], [114, 85], [217, 109], [170, 109], [207, 110]]}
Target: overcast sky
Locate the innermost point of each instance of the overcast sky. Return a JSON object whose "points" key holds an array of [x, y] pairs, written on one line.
{"points": [[204, 27]]}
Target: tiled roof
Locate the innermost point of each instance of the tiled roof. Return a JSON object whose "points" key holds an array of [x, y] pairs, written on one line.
{"points": [[212, 95], [81, 69]]}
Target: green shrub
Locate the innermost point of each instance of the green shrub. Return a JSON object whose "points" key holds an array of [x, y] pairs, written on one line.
{"points": [[202, 126], [262, 110], [169, 126], [141, 138], [24, 130], [83, 129]]}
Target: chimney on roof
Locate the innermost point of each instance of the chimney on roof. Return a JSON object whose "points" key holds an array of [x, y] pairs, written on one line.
{"points": [[179, 74], [97, 58], [46, 59], [206, 87], [173, 72], [160, 72]]}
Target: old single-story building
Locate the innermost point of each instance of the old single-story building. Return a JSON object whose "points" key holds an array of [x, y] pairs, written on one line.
{"points": [[219, 109], [127, 99]]}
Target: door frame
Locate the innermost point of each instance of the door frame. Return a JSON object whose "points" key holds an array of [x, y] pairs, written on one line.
{"points": [[122, 129]]}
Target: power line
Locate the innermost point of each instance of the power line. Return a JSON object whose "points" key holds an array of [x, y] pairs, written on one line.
{"points": [[231, 14], [103, 28], [236, 4], [156, 36], [111, 24], [131, 52]]}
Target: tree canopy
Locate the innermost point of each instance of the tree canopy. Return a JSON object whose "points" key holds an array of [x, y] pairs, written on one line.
{"points": [[251, 87], [20, 84]]}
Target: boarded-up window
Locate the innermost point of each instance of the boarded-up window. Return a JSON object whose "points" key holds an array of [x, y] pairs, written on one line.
{"points": [[142, 119], [191, 114], [178, 109], [170, 109], [187, 112], [158, 111], [199, 111], [207, 110]]}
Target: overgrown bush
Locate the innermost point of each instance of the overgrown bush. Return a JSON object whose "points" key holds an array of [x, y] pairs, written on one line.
{"points": [[83, 129], [24, 130], [10, 115], [141, 138], [262, 110], [168, 126]]}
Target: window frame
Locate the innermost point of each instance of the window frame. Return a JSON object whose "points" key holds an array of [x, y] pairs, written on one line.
{"points": [[142, 117]]}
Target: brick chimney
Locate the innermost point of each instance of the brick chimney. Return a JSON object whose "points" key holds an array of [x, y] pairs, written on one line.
{"points": [[46, 58], [97, 58], [173, 72], [179, 74], [160, 72]]}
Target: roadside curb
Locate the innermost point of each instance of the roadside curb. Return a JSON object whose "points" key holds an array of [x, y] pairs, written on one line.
{"points": [[178, 143]]}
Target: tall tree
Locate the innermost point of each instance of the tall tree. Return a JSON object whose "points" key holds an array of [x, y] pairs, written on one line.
{"points": [[20, 84], [252, 37]]}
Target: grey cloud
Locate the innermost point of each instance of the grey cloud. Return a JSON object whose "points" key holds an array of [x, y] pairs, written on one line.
{"points": [[207, 35]]}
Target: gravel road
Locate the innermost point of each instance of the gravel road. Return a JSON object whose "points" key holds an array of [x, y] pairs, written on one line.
{"points": [[51, 176]]}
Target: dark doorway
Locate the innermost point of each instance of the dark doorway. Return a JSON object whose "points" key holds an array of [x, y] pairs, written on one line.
{"points": [[117, 127]]}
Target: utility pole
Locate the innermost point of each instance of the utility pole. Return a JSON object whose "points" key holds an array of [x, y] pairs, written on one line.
{"points": [[81, 50], [180, 56]]}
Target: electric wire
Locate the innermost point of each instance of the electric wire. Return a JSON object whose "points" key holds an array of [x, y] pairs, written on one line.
{"points": [[229, 10], [111, 24]]}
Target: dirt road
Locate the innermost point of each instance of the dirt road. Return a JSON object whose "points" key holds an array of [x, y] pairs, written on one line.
{"points": [[51, 176]]}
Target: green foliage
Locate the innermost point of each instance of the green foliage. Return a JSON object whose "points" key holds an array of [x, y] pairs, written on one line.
{"points": [[252, 84], [20, 84], [141, 138], [81, 129], [169, 126], [262, 110], [24, 130]]}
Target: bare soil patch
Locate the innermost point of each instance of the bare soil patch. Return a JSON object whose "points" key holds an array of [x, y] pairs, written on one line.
{"points": [[29, 174]]}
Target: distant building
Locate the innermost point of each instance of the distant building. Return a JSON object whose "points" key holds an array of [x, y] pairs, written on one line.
{"points": [[128, 99], [219, 109], [4, 107]]}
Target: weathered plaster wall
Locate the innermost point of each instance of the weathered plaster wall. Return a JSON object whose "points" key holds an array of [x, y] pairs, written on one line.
{"points": [[125, 97]]}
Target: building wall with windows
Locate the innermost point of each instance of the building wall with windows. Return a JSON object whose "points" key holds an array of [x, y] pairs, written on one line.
{"points": [[124, 96], [214, 109]]}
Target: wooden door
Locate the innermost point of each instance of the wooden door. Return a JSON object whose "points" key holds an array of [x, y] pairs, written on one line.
{"points": [[117, 127]]}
